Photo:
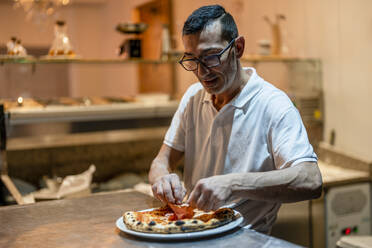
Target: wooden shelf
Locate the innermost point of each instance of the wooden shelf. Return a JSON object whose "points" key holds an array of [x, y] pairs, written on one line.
{"points": [[272, 58], [31, 60], [253, 59]]}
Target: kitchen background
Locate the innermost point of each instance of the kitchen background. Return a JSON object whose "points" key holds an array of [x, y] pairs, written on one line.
{"points": [[338, 32], [325, 51]]}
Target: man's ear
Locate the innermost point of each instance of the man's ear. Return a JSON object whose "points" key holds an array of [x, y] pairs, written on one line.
{"points": [[239, 46]]}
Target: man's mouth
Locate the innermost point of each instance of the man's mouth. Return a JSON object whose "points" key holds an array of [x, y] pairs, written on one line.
{"points": [[210, 82]]}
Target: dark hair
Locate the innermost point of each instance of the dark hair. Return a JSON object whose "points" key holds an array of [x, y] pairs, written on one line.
{"points": [[206, 15]]}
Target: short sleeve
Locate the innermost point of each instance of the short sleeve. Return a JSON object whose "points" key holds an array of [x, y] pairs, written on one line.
{"points": [[175, 136], [289, 140]]}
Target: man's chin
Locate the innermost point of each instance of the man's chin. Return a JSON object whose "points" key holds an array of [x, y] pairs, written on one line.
{"points": [[210, 87], [210, 90]]}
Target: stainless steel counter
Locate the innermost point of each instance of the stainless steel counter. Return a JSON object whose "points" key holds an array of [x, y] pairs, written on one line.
{"points": [[337, 176], [95, 112], [90, 222]]}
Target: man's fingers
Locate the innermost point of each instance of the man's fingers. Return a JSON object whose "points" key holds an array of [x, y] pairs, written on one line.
{"points": [[215, 204], [194, 196], [168, 191], [205, 202], [157, 190], [178, 191]]}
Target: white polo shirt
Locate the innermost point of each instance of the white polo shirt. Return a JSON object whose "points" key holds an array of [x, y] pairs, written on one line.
{"points": [[258, 130]]}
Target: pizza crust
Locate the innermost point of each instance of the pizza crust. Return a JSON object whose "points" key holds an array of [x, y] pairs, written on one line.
{"points": [[200, 221]]}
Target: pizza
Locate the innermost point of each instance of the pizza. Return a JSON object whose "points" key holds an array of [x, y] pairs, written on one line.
{"points": [[177, 219]]}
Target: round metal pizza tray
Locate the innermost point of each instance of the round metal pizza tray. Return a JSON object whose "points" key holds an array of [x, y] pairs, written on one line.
{"points": [[177, 236]]}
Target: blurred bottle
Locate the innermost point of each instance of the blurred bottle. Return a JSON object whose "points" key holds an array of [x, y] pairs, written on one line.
{"points": [[10, 45], [276, 42], [61, 44], [18, 49], [332, 139], [165, 43], [264, 47]]}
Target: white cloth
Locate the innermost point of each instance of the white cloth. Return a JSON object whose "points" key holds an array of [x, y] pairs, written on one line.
{"points": [[258, 130]]}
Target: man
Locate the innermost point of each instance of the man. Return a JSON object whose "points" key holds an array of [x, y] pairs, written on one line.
{"points": [[243, 140]]}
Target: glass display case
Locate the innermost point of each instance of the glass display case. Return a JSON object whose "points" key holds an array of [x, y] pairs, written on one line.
{"points": [[95, 110], [83, 90]]}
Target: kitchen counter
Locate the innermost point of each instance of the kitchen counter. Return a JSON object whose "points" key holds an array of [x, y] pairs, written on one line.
{"points": [[144, 109], [333, 175], [90, 222]]}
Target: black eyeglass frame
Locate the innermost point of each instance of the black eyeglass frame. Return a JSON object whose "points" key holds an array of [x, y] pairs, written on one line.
{"points": [[199, 61]]}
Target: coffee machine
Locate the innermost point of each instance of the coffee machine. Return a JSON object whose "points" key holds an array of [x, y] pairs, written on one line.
{"points": [[131, 46]]}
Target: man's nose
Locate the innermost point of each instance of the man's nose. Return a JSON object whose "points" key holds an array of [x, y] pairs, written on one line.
{"points": [[203, 70]]}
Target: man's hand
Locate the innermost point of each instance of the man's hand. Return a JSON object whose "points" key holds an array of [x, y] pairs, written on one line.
{"points": [[297, 183], [168, 188], [211, 193]]}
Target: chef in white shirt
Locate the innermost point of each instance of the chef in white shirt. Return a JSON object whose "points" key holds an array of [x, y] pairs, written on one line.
{"points": [[242, 139]]}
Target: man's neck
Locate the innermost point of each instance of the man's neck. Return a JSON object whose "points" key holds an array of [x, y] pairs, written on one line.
{"points": [[221, 100]]}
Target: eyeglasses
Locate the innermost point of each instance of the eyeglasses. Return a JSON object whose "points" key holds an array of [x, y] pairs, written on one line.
{"points": [[207, 61]]}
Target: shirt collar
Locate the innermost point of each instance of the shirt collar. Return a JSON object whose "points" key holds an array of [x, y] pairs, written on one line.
{"points": [[207, 97], [251, 88]]}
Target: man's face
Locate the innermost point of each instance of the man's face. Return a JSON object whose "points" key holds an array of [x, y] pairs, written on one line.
{"points": [[216, 80]]}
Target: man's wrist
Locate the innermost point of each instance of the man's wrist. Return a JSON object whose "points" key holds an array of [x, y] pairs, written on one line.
{"points": [[238, 183], [154, 179]]}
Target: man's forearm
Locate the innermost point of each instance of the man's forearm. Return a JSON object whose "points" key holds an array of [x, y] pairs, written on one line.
{"points": [[158, 169], [166, 186], [164, 163], [300, 182]]}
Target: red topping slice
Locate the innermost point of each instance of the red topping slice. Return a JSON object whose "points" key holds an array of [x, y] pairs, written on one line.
{"points": [[182, 211]]}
